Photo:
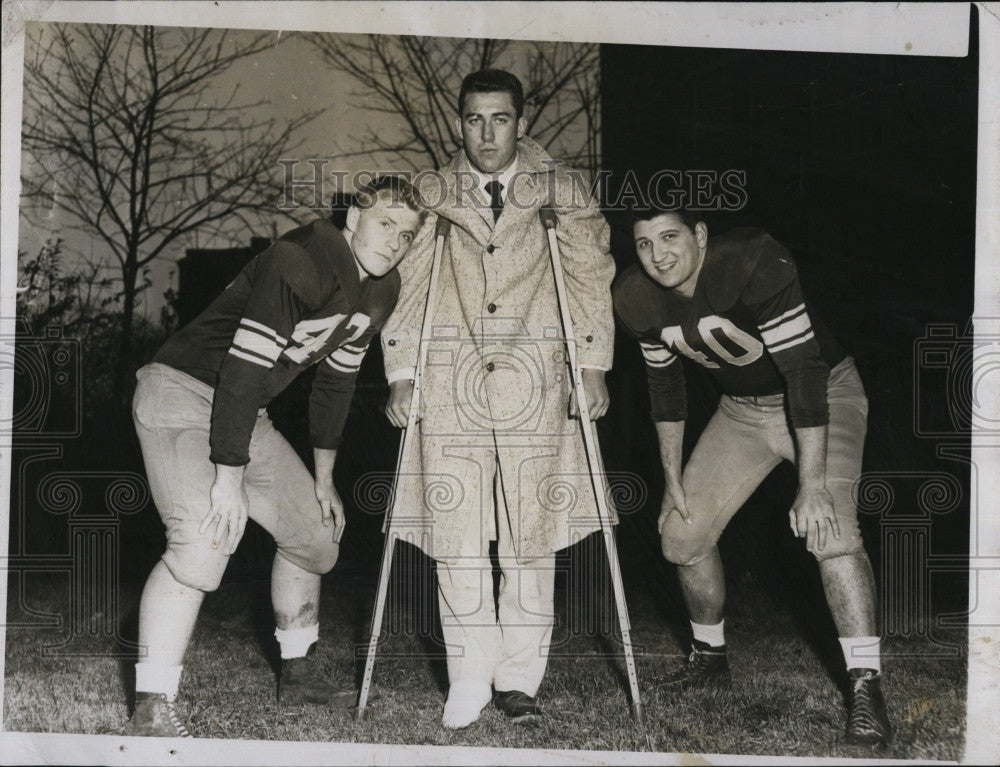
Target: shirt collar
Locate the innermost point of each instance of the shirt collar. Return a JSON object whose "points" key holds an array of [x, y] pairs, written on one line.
{"points": [[504, 178]]}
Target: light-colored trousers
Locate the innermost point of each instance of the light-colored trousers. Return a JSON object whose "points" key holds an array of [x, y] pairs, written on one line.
{"points": [[507, 644]]}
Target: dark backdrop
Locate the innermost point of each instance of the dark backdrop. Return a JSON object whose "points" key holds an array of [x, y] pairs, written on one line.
{"points": [[865, 167]]}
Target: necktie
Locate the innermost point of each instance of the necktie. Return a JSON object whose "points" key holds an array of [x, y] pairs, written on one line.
{"points": [[494, 187]]}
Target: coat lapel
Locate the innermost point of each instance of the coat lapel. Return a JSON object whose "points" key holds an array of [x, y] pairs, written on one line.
{"points": [[522, 203], [465, 213], [530, 185]]}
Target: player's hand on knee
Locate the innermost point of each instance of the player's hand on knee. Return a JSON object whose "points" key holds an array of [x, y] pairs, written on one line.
{"points": [[397, 409], [331, 507], [674, 501], [812, 517], [228, 510]]}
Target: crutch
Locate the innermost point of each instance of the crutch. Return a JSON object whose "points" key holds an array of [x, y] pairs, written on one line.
{"points": [[409, 439], [595, 464]]}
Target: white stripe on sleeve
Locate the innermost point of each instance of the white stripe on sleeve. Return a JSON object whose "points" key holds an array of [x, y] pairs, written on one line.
{"points": [[775, 321], [252, 342], [656, 355], [254, 358], [794, 341], [264, 330], [788, 332], [347, 359]]}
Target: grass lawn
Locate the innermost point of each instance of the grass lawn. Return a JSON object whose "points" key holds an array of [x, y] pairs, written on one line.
{"points": [[785, 699]]}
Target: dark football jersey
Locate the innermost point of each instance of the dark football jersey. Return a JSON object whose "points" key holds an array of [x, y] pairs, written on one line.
{"points": [[747, 323], [300, 302]]}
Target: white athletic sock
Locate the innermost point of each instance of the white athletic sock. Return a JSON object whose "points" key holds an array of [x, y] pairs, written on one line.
{"points": [[295, 643], [710, 635], [160, 679], [862, 652]]}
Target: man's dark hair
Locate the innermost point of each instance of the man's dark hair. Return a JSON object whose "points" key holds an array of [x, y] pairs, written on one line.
{"points": [[397, 189], [492, 81], [646, 213]]}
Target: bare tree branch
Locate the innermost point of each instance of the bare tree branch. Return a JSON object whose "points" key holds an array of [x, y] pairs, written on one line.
{"points": [[417, 79], [129, 137]]}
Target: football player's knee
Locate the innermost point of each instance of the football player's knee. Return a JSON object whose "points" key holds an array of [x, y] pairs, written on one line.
{"points": [[192, 575], [327, 559], [686, 551], [846, 546], [318, 558]]}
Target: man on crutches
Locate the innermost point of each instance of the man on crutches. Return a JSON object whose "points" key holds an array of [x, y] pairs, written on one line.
{"points": [[498, 453]]}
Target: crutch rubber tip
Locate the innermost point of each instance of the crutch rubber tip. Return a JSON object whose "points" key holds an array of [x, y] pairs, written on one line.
{"points": [[637, 714], [362, 714]]}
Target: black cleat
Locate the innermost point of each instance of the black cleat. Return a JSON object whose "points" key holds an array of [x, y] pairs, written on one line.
{"points": [[706, 666], [302, 682], [868, 722], [155, 717], [517, 706]]}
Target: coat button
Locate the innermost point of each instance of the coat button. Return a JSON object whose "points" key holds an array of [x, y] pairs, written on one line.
{"points": [[490, 248], [392, 342], [491, 308], [490, 367], [590, 339]]}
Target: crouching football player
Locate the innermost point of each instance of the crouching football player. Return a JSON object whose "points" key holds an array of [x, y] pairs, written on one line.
{"points": [[733, 304], [317, 296]]}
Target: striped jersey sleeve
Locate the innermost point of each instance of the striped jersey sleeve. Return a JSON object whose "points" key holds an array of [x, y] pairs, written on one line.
{"points": [[664, 373], [790, 329], [656, 354], [665, 378], [333, 389], [280, 285], [347, 359], [257, 344], [775, 298]]}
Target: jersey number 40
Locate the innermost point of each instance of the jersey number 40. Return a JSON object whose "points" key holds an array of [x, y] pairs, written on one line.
{"points": [[735, 346]]}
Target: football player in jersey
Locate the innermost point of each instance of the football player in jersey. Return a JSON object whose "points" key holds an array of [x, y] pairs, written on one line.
{"points": [[733, 304], [317, 296]]}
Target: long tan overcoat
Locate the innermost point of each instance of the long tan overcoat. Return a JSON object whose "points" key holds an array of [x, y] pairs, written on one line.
{"points": [[496, 384]]}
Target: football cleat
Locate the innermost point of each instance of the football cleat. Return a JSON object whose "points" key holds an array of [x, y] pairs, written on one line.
{"points": [[302, 682], [706, 666], [868, 722], [155, 717]]}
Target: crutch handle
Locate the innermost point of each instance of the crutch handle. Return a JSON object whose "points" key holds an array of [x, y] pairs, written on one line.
{"points": [[548, 216], [443, 225]]}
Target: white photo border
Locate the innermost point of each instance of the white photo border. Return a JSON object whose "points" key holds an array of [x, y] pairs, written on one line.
{"points": [[914, 29]]}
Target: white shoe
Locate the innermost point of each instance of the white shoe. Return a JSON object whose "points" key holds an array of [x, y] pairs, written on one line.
{"points": [[466, 700]]}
